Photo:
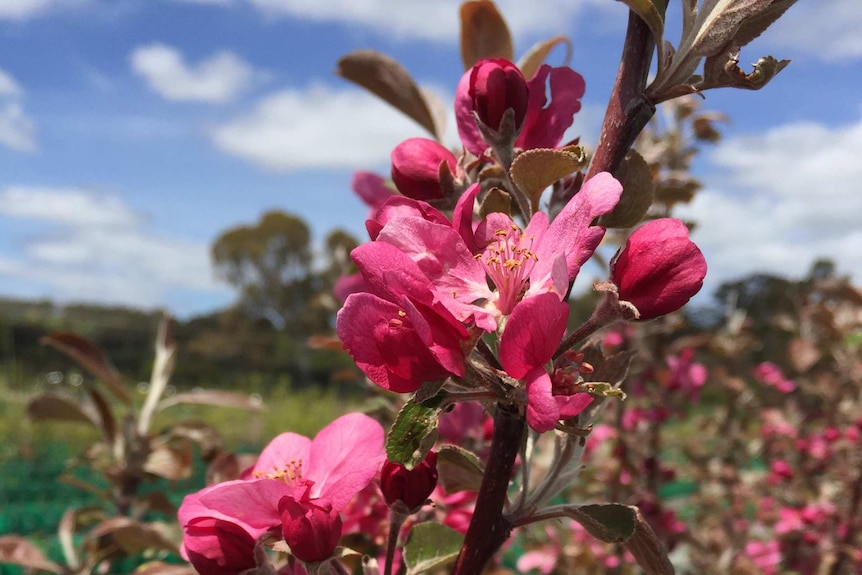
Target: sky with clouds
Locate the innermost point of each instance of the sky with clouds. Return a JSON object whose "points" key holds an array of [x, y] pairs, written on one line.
{"points": [[132, 132]]}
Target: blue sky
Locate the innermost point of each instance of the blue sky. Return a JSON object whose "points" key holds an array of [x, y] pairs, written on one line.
{"points": [[132, 132]]}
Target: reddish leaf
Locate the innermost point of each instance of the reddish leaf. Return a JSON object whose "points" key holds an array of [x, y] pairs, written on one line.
{"points": [[134, 536], [19, 551], [215, 398], [52, 406], [533, 60], [91, 357], [388, 80], [484, 33]]}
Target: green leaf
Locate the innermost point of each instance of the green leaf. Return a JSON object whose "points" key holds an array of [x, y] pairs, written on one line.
{"points": [[638, 190], [535, 170], [604, 389], [431, 547], [458, 469], [414, 432], [608, 522]]}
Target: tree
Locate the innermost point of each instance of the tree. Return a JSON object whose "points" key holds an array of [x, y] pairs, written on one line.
{"points": [[270, 264]]}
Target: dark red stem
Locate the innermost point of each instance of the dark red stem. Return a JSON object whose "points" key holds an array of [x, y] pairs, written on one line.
{"points": [[489, 528], [628, 109]]}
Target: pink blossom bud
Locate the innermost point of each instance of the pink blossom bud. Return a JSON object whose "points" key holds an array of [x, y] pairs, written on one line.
{"points": [[411, 486], [218, 546], [416, 168], [495, 86], [659, 269], [311, 530]]}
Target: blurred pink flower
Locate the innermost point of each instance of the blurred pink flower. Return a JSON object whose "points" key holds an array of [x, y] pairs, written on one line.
{"points": [[416, 168], [767, 556], [770, 374]]}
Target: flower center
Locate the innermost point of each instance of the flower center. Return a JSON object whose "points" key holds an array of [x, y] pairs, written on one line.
{"points": [[508, 260], [290, 473]]}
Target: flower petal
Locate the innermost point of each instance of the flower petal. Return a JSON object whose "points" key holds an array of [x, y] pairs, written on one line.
{"points": [[345, 456], [542, 410], [533, 333]]}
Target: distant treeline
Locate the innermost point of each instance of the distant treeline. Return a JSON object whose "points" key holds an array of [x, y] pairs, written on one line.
{"points": [[214, 351]]}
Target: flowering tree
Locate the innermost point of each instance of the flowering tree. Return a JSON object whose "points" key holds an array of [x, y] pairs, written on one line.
{"points": [[461, 301]]}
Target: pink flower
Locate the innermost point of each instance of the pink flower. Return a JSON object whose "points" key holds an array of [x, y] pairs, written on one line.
{"points": [[497, 85], [370, 188], [326, 472], [416, 168], [767, 556], [409, 486], [770, 374], [310, 529], [544, 123], [686, 375], [396, 333], [460, 262], [218, 546], [659, 269]]}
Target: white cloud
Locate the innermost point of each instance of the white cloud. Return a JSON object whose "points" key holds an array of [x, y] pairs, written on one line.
{"points": [[827, 29], [17, 130], [217, 79], [26, 9], [437, 21], [790, 196], [319, 127], [98, 250]]}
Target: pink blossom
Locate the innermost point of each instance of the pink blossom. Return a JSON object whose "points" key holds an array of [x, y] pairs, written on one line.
{"points": [[659, 269], [767, 556], [686, 375], [543, 123], [311, 529], [497, 85], [416, 168], [370, 188], [326, 472], [409, 486], [779, 471], [217, 546], [770, 374], [396, 333]]}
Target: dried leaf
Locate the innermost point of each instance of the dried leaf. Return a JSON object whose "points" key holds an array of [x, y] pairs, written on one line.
{"points": [[225, 467], [803, 354], [160, 568], [107, 421], [647, 549], [722, 71], [52, 406], [172, 461], [388, 80], [91, 357], [530, 62], [484, 33], [215, 398], [19, 551], [134, 536]]}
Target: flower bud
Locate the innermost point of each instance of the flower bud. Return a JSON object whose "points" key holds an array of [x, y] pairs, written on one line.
{"points": [[217, 546], [416, 168], [411, 486], [312, 531], [659, 269], [495, 86]]}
